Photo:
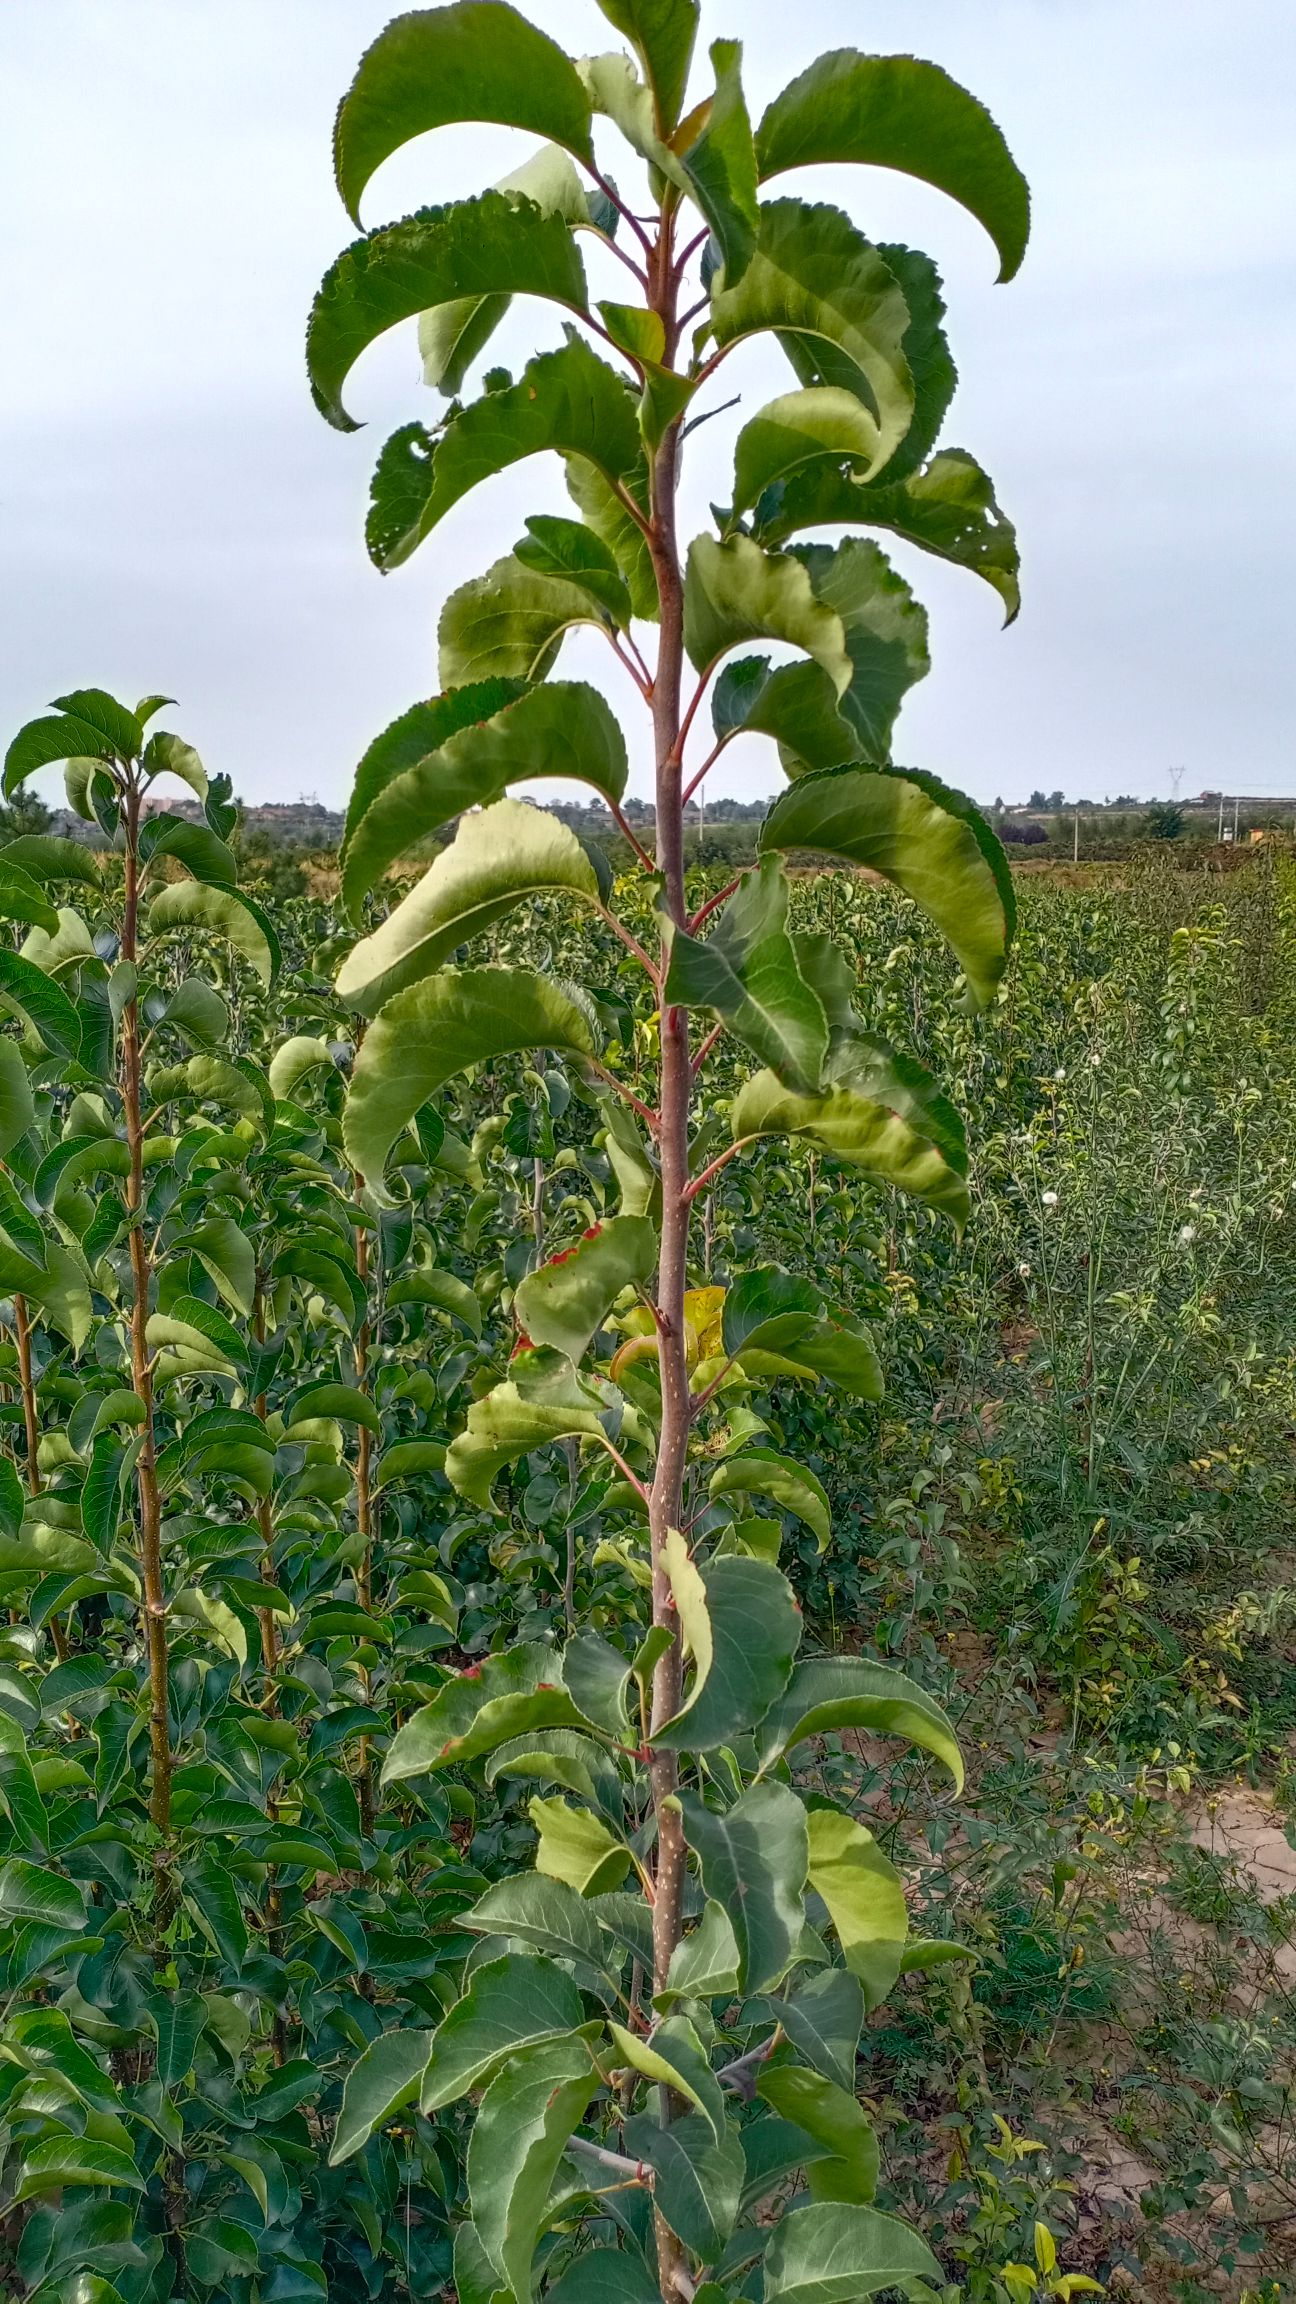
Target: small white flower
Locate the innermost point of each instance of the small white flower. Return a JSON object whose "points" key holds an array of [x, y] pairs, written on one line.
{"points": [[1187, 1234], [1060, 1073], [1048, 1199], [1024, 1271], [1095, 1060]]}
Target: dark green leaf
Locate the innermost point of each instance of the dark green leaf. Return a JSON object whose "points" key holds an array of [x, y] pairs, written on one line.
{"points": [[721, 164], [697, 2180], [517, 2142], [511, 2003], [662, 33], [479, 60], [380, 2085], [569, 402], [754, 1859], [828, 1693], [438, 1028], [746, 972], [948, 508], [834, 2253], [489, 246], [898, 112], [742, 1624]]}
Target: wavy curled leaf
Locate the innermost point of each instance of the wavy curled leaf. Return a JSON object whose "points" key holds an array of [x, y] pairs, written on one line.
{"points": [[418, 732], [662, 34], [46, 1007], [577, 1847], [836, 2252], [518, 2138], [746, 972], [792, 1486], [384, 2080], [503, 856], [742, 1627], [480, 1709], [865, 1898], [801, 428], [828, 1693], [898, 112], [562, 729], [720, 163], [697, 2180], [815, 276], [754, 1859], [882, 1112], [735, 592], [491, 246], [564, 1300], [511, 2003], [948, 509], [568, 402], [928, 841], [545, 1400], [836, 2122], [545, 1913], [442, 1026], [193, 904], [478, 60], [509, 624]]}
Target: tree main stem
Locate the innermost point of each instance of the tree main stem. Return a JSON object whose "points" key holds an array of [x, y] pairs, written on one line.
{"points": [[146, 1484]]}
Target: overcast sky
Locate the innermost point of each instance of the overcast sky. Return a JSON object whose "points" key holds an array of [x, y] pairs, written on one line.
{"points": [[175, 515]]}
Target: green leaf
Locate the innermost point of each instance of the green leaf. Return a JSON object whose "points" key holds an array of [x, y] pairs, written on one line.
{"points": [[673, 2057], [602, 2274], [865, 1899], [822, 2016], [43, 741], [43, 1003], [563, 1302], [451, 336], [294, 1061], [801, 428], [62, 2161], [833, 2118], [166, 755], [509, 624], [577, 1847], [828, 1693], [445, 1291], [192, 905], [840, 1351], [898, 112], [721, 164], [197, 1011], [704, 1965], [948, 508], [563, 1756], [409, 1460], [569, 402], [815, 278], [735, 592], [886, 640], [29, 1893], [928, 841], [380, 2085], [518, 2139], [479, 60], [491, 246], [17, 1104], [562, 729], [746, 972], [560, 547], [475, 2278], [101, 1494], [697, 2180], [545, 1913], [500, 857], [742, 1625], [762, 1472], [883, 1114], [482, 1708], [340, 1401], [511, 2003], [544, 1400], [662, 33], [835, 2253], [417, 733], [47, 856], [225, 1252], [438, 1028], [195, 846], [754, 1858], [21, 899], [178, 2020], [767, 1310], [611, 521]]}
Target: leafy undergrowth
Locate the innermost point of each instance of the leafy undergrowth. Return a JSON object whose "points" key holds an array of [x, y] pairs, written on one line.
{"points": [[1069, 1519]]}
